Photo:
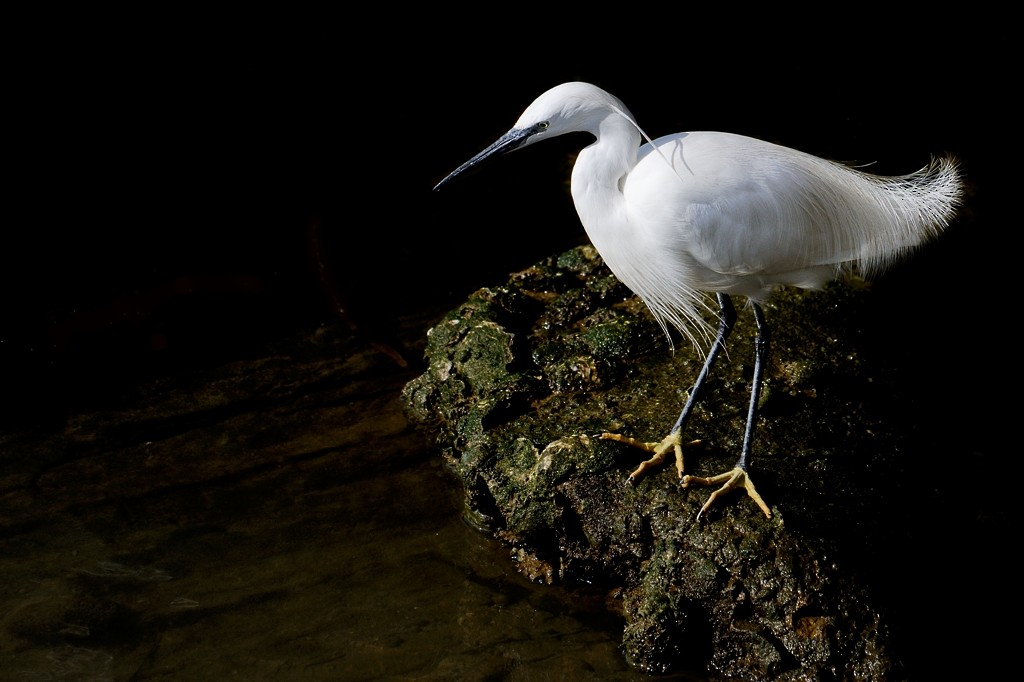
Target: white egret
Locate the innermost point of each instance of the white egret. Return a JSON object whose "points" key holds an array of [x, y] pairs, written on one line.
{"points": [[708, 212]]}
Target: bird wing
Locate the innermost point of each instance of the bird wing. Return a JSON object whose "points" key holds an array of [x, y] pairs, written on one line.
{"points": [[742, 207]]}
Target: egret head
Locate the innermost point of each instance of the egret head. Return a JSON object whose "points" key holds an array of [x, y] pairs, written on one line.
{"points": [[565, 108], [569, 108]]}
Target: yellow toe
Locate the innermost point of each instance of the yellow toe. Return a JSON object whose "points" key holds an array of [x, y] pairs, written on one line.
{"points": [[671, 443], [729, 480]]}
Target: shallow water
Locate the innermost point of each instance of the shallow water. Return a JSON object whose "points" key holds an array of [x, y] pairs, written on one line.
{"points": [[303, 531], [291, 526]]}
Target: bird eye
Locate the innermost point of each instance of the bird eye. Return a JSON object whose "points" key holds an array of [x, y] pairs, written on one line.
{"points": [[544, 125]]}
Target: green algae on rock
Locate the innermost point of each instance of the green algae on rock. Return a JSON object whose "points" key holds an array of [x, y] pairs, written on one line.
{"points": [[522, 379]]}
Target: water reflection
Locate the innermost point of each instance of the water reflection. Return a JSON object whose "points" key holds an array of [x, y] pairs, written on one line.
{"points": [[302, 531]]}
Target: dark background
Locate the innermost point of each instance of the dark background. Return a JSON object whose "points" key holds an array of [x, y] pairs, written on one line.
{"points": [[178, 184]]}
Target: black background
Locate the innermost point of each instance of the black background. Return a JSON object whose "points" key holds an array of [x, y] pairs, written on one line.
{"points": [[165, 174]]}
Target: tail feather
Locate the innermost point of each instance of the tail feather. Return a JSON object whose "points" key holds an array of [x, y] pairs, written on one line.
{"points": [[912, 209]]}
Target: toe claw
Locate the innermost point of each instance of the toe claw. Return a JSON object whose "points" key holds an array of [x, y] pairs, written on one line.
{"points": [[736, 478], [671, 443]]}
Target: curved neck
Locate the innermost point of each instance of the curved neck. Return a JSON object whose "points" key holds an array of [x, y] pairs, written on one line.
{"points": [[599, 172]]}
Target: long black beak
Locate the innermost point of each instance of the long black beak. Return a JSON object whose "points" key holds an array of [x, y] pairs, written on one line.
{"points": [[513, 139]]}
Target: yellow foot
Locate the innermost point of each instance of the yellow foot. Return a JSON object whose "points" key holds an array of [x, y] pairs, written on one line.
{"points": [[671, 443], [732, 479]]}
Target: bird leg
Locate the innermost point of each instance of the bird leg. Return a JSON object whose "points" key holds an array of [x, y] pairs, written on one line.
{"points": [[739, 476], [673, 441]]}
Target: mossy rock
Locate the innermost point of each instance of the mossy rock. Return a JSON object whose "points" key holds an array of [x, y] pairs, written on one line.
{"points": [[523, 378]]}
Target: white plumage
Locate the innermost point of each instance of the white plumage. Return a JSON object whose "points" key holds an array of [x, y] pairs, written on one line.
{"points": [[709, 212]]}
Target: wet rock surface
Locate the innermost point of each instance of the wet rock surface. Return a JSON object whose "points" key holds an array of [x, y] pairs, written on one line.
{"points": [[277, 515], [524, 377], [273, 517]]}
